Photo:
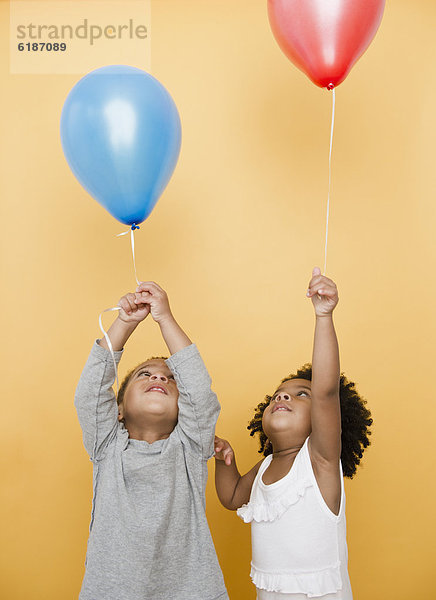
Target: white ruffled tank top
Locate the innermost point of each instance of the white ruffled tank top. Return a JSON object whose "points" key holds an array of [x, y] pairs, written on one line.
{"points": [[299, 547]]}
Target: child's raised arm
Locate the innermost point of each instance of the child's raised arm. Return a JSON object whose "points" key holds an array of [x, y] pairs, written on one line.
{"points": [[156, 298], [95, 399], [233, 489], [325, 439], [198, 404], [132, 312]]}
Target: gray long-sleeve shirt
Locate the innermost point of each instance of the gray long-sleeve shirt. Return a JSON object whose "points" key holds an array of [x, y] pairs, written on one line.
{"points": [[149, 538]]}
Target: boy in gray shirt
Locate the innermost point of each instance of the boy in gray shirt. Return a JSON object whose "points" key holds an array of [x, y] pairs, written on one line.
{"points": [[149, 538]]}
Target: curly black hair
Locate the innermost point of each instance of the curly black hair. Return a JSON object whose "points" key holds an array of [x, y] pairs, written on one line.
{"points": [[128, 377], [355, 420]]}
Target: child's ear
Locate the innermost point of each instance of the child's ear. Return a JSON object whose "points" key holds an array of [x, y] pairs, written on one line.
{"points": [[120, 413]]}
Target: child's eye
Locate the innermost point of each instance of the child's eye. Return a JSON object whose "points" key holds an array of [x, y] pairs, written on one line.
{"points": [[301, 393], [143, 373]]}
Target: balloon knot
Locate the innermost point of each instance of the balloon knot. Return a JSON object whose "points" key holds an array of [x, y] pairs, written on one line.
{"points": [[330, 86], [134, 226]]}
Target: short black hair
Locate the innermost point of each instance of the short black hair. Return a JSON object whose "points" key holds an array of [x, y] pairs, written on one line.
{"points": [[355, 421]]}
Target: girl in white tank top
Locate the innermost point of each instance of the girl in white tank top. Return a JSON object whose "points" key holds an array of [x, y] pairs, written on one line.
{"points": [[313, 431]]}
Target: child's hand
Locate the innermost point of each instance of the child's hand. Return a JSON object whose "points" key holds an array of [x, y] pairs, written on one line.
{"points": [[223, 451], [323, 292], [148, 292], [131, 310]]}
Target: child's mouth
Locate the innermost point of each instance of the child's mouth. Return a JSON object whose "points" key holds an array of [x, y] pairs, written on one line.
{"points": [[157, 388], [281, 407]]}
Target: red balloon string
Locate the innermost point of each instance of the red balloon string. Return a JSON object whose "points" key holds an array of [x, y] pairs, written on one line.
{"points": [[330, 179]]}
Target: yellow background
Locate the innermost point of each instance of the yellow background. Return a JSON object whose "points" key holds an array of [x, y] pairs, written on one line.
{"points": [[233, 241]]}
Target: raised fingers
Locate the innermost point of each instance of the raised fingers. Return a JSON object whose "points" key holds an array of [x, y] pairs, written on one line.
{"points": [[142, 297], [322, 288], [149, 286], [127, 303], [223, 450], [319, 278], [228, 456], [219, 444]]}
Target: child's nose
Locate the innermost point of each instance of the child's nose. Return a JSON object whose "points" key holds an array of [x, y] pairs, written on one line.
{"points": [[281, 397], [160, 376]]}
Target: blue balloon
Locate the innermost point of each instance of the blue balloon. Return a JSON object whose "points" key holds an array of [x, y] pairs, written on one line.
{"points": [[121, 135]]}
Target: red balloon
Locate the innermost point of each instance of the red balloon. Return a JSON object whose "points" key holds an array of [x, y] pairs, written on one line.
{"points": [[324, 38]]}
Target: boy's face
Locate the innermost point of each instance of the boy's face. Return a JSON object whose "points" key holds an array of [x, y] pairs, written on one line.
{"points": [[289, 410], [151, 397]]}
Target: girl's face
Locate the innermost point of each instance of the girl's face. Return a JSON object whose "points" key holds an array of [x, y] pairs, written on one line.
{"points": [[151, 396], [289, 412]]}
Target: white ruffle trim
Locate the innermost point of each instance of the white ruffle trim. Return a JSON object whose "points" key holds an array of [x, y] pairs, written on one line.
{"points": [[311, 583], [257, 510]]}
